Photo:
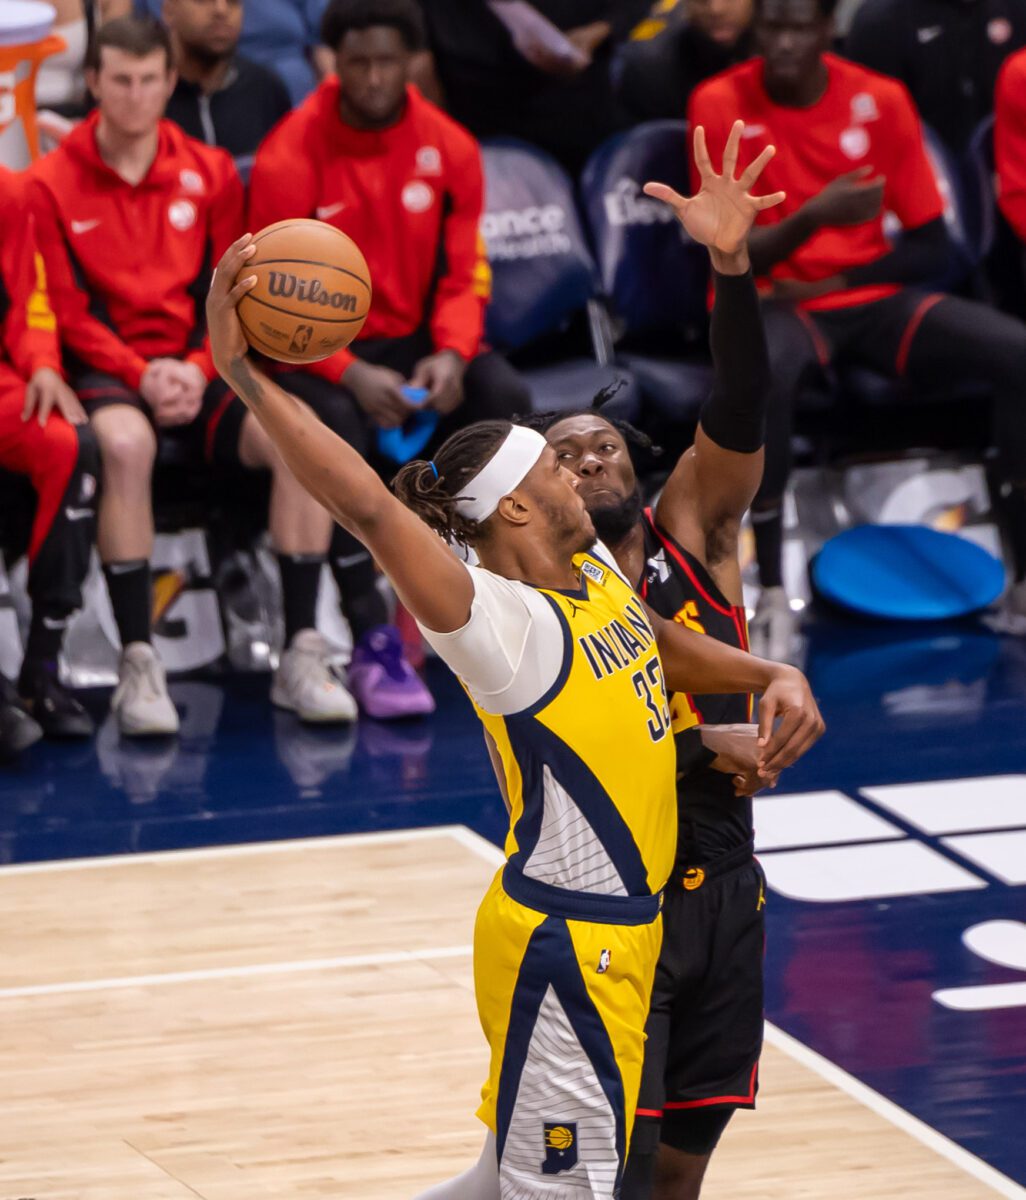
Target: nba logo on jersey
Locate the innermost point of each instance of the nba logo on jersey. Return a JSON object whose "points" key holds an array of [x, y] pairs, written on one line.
{"points": [[603, 963], [560, 1147]]}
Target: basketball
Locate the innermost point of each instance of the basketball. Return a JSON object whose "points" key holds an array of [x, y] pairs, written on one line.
{"points": [[312, 294]]}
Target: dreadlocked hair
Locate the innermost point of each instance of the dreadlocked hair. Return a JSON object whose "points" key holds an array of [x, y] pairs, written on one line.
{"points": [[637, 442], [430, 489], [635, 439]]}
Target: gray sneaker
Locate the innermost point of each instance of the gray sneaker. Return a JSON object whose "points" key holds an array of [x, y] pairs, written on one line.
{"points": [[309, 681], [141, 703]]}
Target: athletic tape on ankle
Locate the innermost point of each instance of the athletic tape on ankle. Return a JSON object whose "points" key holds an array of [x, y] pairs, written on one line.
{"points": [[503, 472]]}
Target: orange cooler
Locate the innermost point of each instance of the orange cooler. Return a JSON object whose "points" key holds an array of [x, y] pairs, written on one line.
{"points": [[25, 40]]}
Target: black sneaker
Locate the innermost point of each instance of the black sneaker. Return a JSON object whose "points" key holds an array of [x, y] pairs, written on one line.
{"points": [[17, 729], [56, 710]]}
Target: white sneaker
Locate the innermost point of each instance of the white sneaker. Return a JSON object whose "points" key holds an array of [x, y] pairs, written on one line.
{"points": [[773, 628], [1010, 616], [140, 702], [309, 683]]}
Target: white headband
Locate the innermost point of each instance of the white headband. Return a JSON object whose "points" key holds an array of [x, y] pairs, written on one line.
{"points": [[501, 474]]}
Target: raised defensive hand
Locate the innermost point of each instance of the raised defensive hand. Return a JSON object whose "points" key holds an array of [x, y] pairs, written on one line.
{"points": [[723, 210]]}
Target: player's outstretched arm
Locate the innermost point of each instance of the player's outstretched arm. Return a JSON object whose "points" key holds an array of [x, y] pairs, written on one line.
{"points": [[701, 665], [715, 481], [431, 582]]}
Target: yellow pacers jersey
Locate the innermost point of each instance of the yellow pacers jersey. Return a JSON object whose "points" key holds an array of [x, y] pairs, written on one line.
{"points": [[589, 768]]}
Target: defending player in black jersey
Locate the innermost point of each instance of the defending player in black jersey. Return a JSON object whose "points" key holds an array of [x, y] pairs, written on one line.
{"points": [[705, 1026]]}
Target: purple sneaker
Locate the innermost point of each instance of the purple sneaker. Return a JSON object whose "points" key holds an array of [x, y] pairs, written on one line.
{"points": [[385, 685]]}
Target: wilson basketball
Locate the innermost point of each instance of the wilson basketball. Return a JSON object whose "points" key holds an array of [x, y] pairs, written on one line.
{"points": [[312, 294]]}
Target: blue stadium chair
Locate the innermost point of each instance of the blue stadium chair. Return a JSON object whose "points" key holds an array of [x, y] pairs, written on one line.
{"points": [[543, 279], [655, 278]]}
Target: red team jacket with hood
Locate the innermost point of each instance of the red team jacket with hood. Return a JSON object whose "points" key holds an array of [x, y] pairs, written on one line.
{"points": [[128, 266], [28, 328], [410, 196]]}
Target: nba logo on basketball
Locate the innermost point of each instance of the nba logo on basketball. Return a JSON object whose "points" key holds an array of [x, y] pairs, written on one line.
{"points": [[560, 1147]]}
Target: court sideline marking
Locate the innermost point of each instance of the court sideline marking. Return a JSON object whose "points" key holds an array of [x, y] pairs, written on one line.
{"points": [[426, 956], [834, 1075], [482, 848]]}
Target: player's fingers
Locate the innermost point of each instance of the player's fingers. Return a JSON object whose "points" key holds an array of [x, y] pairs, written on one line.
{"points": [[702, 160], [778, 739], [46, 403], [663, 191], [241, 288], [231, 263], [755, 168], [770, 201], [31, 394], [73, 411], [767, 716], [795, 735], [730, 150], [800, 743]]}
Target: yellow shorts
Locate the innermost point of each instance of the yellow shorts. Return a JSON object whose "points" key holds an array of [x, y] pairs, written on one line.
{"points": [[563, 1005]]}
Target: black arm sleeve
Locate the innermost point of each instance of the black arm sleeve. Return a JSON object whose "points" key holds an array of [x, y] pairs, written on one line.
{"points": [[771, 244], [919, 255], [734, 416]]}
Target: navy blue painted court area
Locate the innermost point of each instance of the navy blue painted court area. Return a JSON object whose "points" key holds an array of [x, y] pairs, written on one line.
{"points": [[897, 860]]}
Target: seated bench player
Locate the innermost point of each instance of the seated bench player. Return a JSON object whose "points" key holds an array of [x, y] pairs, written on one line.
{"points": [[131, 215]]}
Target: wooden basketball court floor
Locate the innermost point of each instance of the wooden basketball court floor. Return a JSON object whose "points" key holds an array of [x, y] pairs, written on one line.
{"points": [[296, 1019]]}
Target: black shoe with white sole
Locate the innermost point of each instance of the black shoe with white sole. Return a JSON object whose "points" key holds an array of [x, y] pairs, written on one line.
{"points": [[18, 731], [51, 704]]}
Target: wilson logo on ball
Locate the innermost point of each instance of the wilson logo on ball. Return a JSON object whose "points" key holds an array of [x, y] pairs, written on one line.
{"points": [[286, 285]]}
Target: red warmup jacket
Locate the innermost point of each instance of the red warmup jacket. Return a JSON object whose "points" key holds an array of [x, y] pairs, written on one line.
{"points": [[861, 119], [28, 328], [410, 196], [1010, 141], [129, 265]]}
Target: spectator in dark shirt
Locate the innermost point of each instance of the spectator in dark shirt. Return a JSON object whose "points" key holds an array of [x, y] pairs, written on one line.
{"points": [[665, 60], [946, 52], [220, 98], [281, 34], [538, 71]]}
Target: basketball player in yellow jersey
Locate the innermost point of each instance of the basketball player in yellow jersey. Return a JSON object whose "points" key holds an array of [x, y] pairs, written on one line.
{"points": [[565, 673]]}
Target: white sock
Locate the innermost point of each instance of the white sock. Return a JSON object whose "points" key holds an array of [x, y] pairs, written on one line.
{"points": [[481, 1182]]}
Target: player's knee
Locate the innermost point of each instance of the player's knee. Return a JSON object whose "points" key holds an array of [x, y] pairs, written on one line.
{"points": [[128, 445], [678, 1176]]}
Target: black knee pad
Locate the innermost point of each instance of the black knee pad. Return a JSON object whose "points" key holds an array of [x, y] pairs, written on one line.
{"points": [[695, 1130]]}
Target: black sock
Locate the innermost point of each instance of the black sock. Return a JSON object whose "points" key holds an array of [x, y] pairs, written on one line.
{"points": [[768, 526], [46, 633], [300, 579], [353, 568], [1013, 504], [131, 597]]}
